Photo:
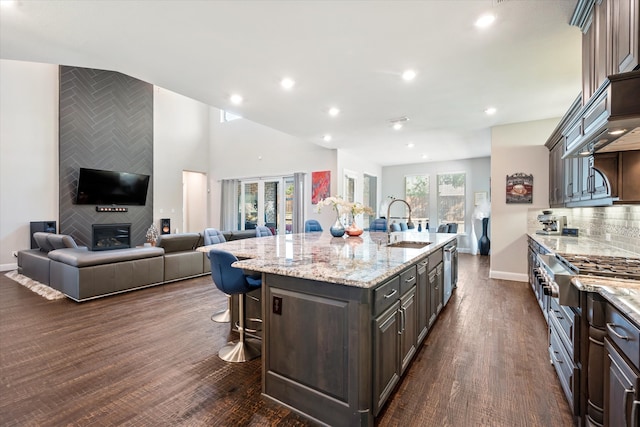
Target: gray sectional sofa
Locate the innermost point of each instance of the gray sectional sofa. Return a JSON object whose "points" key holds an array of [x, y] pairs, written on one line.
{"points": [[82, 274]]}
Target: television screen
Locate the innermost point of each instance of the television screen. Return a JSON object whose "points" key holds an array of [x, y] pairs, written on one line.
{"points": [[102, 187]]}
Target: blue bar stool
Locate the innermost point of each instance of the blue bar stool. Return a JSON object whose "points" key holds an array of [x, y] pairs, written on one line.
{"points": [[232, 281], [213, 236]]}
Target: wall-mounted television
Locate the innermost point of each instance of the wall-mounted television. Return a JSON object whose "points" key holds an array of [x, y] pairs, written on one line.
{"points": [[102, 187]]}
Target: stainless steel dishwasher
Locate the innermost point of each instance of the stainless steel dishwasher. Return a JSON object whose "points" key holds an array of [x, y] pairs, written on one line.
{"points": [[450, 269]]}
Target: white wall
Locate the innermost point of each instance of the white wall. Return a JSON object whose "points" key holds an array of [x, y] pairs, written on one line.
{"points": [[28, 152], [477, 179], [245, 149], [516, 148], [180, 143]]}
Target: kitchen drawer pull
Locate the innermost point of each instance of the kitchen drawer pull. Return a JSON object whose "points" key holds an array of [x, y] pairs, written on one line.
{"points": [[410, 279], [393, 292], [634, 406], [610, 327], [555, 358], [558, 311]]}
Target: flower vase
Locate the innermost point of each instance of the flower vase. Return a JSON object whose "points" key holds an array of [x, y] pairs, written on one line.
{"points": [[484, 244], [353, 229], [337, 229]]}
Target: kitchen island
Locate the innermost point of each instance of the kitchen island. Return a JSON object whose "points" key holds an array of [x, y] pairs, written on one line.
{"points": [[342, 317]]}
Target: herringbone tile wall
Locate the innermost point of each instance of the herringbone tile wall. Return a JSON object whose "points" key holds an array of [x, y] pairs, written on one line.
{"points": [[106, 122]]}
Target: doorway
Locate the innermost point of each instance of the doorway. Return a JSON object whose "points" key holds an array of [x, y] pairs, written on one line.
{"points": [[266, 202], [194, 201]]}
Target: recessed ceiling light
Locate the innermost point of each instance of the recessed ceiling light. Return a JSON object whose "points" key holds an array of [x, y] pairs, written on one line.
{"points": [[334, 111], [425, 156], [617, 132], [490, 111], [7, 3], [485, 20], [397, 126], [409, 75], [236, 99], [327, 138], [411, 145], [287, 83]]}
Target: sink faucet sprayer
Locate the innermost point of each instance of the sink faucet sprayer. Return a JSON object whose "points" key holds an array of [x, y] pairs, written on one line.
{"points": [[409, 223]]}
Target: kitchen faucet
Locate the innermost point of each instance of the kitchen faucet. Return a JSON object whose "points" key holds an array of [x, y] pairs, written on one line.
{"points": [[409, 223]]}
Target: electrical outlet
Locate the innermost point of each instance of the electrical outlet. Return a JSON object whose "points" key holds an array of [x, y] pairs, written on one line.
{"points": [[607, 237]]}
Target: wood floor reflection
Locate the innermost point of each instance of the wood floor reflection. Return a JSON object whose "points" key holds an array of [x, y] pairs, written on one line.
{"points": [[149, 358]]}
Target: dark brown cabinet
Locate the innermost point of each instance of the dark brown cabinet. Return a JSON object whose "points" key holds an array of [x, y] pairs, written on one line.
{"points": [[408, 323], [556, 175], [609, 43], [622, 170], [621, 405], [386, 357], [424, 300]]}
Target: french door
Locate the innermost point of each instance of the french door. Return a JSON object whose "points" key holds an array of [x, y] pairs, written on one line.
{"points": [[265, 202]]}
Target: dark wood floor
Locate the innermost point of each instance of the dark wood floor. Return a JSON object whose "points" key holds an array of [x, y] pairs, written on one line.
{"points": [[148, 358]]}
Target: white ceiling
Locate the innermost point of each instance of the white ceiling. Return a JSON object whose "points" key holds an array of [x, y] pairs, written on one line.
{"points": [[344, 53]]}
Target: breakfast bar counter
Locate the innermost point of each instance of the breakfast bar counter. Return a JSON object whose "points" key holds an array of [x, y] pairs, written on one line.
{"points": [[342, 317]]}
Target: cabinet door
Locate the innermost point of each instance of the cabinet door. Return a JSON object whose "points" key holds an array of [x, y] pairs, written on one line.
{"points": [[622, 385], [440, 285], [626, 29], [423, 298], [433, 297], [556, 175], [408, 323], [573, 173], [386, 355]]}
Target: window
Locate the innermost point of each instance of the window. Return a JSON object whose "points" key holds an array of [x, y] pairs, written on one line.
{"points": [[226, 116], [451, 199], [369, 197], [416, 193]]}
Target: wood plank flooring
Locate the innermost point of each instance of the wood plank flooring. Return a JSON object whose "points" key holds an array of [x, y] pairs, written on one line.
{"points": [[149, 358]]}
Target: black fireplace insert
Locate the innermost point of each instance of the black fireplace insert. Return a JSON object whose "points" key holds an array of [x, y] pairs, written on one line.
{"points": [[110, 236]]}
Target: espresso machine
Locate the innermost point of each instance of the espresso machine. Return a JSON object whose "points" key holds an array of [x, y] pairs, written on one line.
{"points": [[551, 224]]}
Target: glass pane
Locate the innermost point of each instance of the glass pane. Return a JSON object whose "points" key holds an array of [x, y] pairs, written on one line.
{"points": [[416, 190], [369, 197], [250, 205], [271, 206], [288, 205], [451, 199], [350, 189]]}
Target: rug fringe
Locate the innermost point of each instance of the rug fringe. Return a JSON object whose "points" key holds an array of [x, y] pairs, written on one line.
{"points": [[35, 286]]}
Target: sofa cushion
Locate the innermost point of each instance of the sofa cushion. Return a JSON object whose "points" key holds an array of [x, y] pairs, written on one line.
{"points": [[178, 242], [61, 241], [42, 242], [78, 257]]}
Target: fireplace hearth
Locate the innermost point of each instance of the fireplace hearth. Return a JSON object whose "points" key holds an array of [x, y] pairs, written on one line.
{"points": [[110, 236]]}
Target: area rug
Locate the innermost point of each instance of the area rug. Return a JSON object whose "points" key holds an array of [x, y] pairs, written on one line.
{"points": [[37, 287]]}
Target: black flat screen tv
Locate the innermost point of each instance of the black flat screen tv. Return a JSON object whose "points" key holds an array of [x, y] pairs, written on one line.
{"points": [[102, 187]]}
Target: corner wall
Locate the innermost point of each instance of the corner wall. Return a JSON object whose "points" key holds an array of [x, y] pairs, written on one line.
{"points": [[516, 148], [28, 152]]}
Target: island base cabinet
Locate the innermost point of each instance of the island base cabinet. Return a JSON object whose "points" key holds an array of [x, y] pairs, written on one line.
{"points": [[316, 360]]}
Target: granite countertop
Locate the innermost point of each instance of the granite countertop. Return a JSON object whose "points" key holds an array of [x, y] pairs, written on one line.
{"points": [[362, 261], [623, 294]]}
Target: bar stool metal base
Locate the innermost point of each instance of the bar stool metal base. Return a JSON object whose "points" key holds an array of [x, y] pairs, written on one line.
{"points": [[241, 351], [223, 316]]}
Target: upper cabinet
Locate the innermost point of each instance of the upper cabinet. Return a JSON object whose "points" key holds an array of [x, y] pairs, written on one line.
{"points": [[610, 42]]}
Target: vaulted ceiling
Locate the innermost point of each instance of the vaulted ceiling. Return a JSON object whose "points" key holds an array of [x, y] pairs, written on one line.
{"points": [[347, 54]]}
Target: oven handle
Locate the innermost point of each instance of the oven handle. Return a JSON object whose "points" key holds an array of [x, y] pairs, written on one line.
{"points": [[610, 327]]}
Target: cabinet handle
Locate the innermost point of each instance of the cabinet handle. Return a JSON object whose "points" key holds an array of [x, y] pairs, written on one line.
{"points": [[610, 327], [555, 358], [410, 279], [628, 392], [401, 329], [393, 292], [558, 311], [634, 405]]}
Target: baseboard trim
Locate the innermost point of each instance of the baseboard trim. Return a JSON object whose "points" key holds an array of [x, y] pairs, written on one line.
{"points": [[505, 275], [8, 267]]}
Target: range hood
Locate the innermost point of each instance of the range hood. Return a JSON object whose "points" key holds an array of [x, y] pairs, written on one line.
{"points": [[610, 121]]}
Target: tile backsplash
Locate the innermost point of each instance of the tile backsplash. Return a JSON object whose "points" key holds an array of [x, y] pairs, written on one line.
{"points": [[616, 225]]}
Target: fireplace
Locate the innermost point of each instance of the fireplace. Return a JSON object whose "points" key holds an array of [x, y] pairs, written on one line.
{"points": [[110, 236]]}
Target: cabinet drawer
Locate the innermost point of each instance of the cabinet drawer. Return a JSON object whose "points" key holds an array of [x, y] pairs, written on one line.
{"points": [[435, 258], [565, 319], [385, 295], [407, 279], [624, 334]]}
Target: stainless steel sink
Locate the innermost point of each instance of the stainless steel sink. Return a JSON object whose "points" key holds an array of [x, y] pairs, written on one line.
{"points": [[408, 244]]}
